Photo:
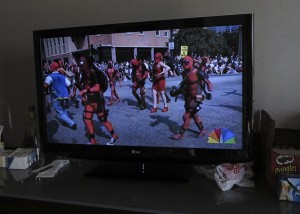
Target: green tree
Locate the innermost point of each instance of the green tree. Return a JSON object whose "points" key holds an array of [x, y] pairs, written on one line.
{"points": [[201, 41], [232, 39]]}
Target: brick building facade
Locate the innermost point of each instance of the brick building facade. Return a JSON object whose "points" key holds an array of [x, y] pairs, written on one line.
{"points": [[118, 47]]}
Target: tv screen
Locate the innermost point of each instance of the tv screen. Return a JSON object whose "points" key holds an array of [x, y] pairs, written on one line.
{"points": [[153, 90]]}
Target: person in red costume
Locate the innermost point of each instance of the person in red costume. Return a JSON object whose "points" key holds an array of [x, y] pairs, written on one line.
{"points": [[195, 83], [203, 65], [93, 100], [159, 81], [139, 76], [112, 76]]}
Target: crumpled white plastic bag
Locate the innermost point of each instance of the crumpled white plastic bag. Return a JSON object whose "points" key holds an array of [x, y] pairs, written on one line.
{"points": [[49, 171], [228, 174]]}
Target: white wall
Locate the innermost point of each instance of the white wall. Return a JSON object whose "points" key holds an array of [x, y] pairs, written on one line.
{"points": [[276, 45]]}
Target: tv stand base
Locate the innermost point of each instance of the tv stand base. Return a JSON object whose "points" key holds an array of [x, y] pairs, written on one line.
{"points": [[143, 171]]}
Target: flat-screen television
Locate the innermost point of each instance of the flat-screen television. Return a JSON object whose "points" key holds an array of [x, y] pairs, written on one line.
{"points": [[174, 91]]}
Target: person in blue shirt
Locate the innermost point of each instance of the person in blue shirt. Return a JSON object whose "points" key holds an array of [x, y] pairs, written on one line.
{"points": [[60, 94]]}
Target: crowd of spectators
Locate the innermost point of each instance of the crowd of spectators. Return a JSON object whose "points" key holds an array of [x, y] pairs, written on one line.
{"points": [[217, 65], [224, 65]]}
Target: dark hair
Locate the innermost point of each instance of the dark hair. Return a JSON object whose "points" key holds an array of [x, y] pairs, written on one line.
{"points": [[85, 60]]}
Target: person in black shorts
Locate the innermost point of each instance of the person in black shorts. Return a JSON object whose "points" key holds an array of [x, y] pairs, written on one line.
{"points": [[93, 100], [139, 76]]}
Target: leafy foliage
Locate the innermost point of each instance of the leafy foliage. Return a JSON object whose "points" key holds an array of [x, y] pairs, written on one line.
{"points": [[232, 39], [201, 41]]}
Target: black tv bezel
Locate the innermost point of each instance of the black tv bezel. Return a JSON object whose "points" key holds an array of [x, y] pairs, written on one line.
{"points": [[154, 154]]}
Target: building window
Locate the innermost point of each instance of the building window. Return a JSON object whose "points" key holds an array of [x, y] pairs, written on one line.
{"points": [[51, 45], [166, 34], [58, 46], [46, 47], [141, 33], [63, 44], [45, 41], [157, 33]]}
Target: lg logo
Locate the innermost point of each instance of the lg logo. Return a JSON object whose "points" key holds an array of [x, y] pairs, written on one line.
{"points": [[135, 152]]}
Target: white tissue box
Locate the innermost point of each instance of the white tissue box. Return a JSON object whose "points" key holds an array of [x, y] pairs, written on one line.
{"points": [[3, 157], [21, 158]]}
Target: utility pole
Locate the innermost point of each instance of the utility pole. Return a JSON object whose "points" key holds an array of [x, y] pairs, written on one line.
{"points": [[171, 44]]}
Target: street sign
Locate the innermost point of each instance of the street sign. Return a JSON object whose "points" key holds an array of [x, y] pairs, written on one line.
{"points": [[171, 45], [183, 51]]}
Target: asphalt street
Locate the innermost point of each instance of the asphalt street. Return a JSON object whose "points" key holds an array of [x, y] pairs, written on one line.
{"points": [[141, 128]]}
